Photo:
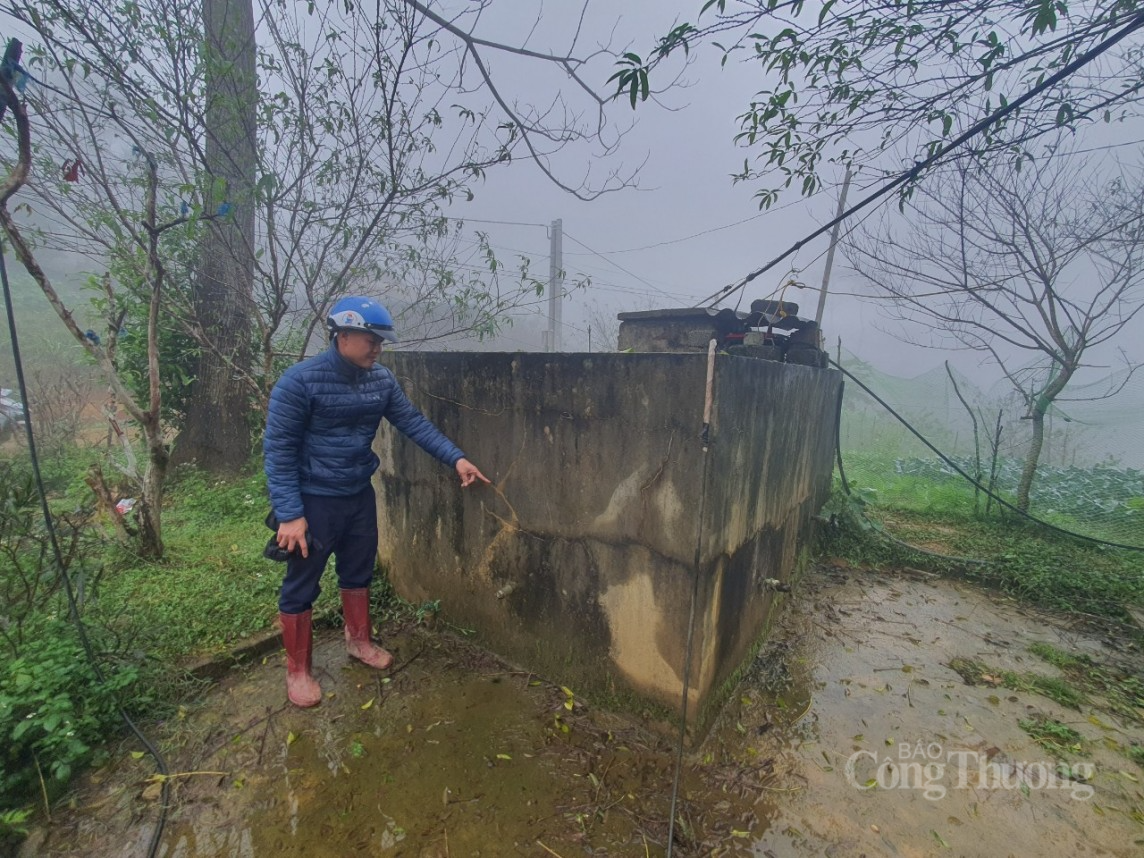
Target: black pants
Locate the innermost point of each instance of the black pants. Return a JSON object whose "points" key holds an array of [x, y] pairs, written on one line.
{"points": [[343, 526]]}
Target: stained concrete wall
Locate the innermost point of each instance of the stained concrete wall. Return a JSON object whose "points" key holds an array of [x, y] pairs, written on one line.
{"points": [[580, 562], [769, 472]]}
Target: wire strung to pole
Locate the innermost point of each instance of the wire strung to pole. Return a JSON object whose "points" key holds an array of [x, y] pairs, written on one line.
{"points": [[1134, 24], [61, 570]]}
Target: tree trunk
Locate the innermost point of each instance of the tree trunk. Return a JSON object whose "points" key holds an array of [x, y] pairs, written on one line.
{"points": [[105, 500], [1058, 379], [217, 433], [1031, 458], [151, 504]]}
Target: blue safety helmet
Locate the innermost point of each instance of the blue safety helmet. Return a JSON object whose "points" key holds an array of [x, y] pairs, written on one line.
{"points": [[361, 314]]}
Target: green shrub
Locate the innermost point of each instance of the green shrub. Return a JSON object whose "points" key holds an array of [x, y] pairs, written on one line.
{"points": [[30, 580], [53, 711], [13, 827]]}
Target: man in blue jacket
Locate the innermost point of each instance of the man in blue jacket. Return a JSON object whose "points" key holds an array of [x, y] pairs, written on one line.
{"points": [[324, 413]]}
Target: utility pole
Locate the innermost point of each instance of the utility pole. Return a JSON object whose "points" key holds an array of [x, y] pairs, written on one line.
{"points": [[830, 254], [555, 285]]}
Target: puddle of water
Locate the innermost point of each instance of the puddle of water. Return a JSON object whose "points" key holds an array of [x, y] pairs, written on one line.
{"points": [[458, 758], [458, 755]]}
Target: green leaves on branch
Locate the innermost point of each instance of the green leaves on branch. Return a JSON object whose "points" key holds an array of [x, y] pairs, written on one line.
{"points": [[844, 83], [633, 79], [1042, 15]]}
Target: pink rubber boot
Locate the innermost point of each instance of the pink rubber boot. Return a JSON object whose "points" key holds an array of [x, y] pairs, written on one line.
{"points": [[355, 609], [297, 636]]}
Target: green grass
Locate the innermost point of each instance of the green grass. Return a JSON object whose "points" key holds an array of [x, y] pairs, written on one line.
{"points": [[1136, 754], [1047, 686], [1038, 565], [1103, 501], [886, 489], [212, 588], [1057, 571], [44, 341], [1123, 692], [1058, 739], [1086, 681], [1057, 657], [978, 673]]}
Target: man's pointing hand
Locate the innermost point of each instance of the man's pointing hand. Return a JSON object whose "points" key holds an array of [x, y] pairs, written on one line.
{"points": [[469, 473]]}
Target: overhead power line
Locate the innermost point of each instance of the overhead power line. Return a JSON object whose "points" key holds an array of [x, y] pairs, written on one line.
{"points": [[704, 232], [500, 222], [621, 268]]}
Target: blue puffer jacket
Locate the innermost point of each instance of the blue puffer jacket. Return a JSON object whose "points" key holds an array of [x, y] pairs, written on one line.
{"points": [[324, 413]]}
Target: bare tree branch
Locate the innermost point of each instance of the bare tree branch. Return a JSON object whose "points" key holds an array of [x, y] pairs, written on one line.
{"points": [[1041, 260]]}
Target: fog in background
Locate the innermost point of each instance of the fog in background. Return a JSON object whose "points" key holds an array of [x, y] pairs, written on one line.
{"points": [[688, 230]]}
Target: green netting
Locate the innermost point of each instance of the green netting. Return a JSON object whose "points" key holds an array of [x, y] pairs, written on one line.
{"points": [[1089, 478]]}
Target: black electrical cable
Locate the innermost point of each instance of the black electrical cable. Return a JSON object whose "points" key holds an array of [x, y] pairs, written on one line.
{"points": [[1134, 24], [73, 607], [970, 479], [846, 488]]}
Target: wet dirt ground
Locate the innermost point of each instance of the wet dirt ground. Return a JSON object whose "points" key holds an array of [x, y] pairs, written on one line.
{"points": [[850, 735]]}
